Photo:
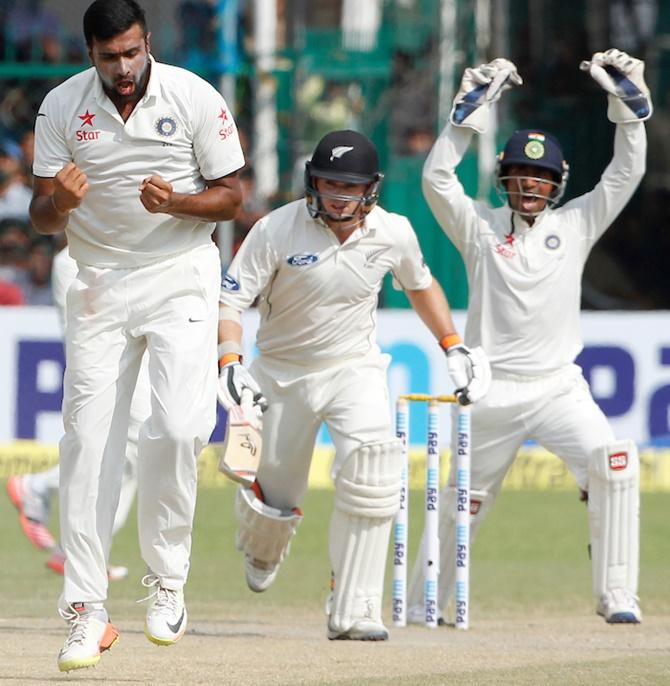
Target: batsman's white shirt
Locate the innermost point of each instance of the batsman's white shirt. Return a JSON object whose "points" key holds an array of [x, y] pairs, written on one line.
{"points": [[181, 130], [319, 297], [525, 282], [319, 358]]}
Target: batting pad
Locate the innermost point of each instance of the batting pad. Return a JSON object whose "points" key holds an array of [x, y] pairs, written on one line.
{"points": [[367, 495], [480, 503], [264, 533], [614, 517]]}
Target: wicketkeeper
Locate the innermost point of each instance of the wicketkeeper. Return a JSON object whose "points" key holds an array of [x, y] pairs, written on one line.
{"points": [[524, 263], [317, 265]]}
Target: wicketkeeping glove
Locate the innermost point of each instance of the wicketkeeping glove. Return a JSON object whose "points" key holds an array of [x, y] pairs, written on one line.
{"points": [[469, 371], [480, 87], [622, 76], [235, 381]]}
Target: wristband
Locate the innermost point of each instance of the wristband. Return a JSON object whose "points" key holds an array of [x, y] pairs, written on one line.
{"points": [[228, 358], [450, 340]]}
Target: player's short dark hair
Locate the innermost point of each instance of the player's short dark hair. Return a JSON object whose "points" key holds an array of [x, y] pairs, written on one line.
{"points": [[105, 19]]}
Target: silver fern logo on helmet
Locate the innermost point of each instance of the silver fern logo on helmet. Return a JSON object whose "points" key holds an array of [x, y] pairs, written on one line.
{"points": [[339, 151]]}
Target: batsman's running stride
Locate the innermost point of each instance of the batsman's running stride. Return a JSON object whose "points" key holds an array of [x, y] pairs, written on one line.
{"points": [[136, 160], [524, 263], [317, 265]]}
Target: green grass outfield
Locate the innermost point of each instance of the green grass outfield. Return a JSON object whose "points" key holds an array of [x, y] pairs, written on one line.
{"points": [[531, 607], [530, 557]]}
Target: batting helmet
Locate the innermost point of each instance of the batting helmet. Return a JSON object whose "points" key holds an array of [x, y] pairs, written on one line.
{"points": [[349, 157], [534, 148]]}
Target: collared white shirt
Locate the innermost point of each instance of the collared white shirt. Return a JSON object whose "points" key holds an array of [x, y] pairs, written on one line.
{"points": [[319, 297], [525, 284], [180, 130]]}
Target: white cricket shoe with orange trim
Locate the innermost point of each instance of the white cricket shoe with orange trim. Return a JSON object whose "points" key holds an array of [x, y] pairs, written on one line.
{"points": [[33, 512], [166, 616], [91, 633]]}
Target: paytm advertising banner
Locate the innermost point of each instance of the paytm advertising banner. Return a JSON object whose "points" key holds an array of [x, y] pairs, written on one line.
{"points": [[626, 360]]}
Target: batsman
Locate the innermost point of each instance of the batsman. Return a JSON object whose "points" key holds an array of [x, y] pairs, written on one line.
{"points": [[317, 265], [524, 263]]}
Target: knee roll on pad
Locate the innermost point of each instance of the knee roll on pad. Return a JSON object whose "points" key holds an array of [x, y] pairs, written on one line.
{"points": [[614, 516], [367, 496], [368, 484], [264, 532], [480, 504]]}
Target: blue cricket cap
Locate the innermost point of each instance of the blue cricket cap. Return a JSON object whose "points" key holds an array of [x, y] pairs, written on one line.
{"points": [[533, 147]]}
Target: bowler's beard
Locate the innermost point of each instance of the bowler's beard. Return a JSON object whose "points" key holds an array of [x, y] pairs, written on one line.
{"points": [[111, 87]]}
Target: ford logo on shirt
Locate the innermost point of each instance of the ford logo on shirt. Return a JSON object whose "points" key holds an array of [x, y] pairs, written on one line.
{"points": [[302, 259], [229, 284]]}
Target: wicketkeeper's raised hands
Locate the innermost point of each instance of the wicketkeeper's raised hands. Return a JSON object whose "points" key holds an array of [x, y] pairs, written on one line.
{"points": [[480, 87], [622, 77]]}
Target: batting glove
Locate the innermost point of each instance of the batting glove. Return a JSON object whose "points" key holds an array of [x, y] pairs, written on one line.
{"points": [[235, 383], [469, 371], [622, 77], [480, 87]]}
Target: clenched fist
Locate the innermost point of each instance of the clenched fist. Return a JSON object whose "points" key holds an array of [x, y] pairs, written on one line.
{"points": [[156, 194], [70, 187]]}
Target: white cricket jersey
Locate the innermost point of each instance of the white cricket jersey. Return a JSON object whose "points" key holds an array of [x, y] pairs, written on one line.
{"points": [[525, 284], [180, 130], [319, 297]]}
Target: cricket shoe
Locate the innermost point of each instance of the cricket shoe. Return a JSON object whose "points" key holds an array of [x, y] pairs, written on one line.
{"points": [[619, 606], [360, 630], [56, 563], [91, 633], [166, 616], [33, 512], [259, 574]]}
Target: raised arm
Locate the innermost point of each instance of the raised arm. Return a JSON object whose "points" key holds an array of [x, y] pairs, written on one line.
{"points": [[629, 105], [480, 88]]}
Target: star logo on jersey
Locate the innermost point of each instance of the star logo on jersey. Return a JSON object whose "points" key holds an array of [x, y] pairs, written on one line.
{"points": [[86, 119], [227, 125], [509, 239]]}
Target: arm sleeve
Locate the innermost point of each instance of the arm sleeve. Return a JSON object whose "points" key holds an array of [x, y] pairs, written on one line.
{"points": [[600, 207], [412, 272], [249, 273], [456, 213], [216, 143], [52, 152]]}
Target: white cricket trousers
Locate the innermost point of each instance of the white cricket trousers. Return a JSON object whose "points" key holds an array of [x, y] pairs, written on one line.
{"points": [[169, 309], [556, 410], [351, 397]]}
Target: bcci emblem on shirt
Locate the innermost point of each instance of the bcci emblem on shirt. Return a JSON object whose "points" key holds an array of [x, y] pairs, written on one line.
{"points": [[166, 126]]}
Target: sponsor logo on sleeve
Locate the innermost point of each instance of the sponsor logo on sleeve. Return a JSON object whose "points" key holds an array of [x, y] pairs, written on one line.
{"points": [[230, 284], [618, 461], [302, 259], [227, 125]]}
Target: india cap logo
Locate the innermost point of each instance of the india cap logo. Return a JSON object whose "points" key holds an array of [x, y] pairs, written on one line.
{"points": [[340, 150], [534, 150]]}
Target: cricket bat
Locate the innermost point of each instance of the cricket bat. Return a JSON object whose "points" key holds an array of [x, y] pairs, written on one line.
{"points": [[242, 443]]}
